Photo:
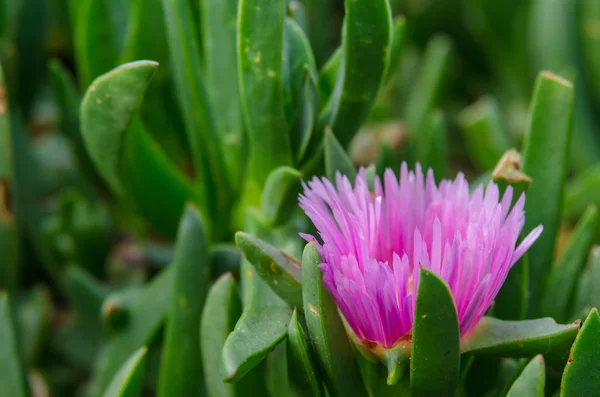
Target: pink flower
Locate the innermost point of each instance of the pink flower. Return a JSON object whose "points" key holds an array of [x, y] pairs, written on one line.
{"points": [[374, 244]]}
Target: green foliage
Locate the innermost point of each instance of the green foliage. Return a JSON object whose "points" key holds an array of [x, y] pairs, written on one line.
{"points": [[151, 157]]}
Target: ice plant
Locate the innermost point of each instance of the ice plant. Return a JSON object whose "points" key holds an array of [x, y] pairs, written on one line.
{"points": [[374, 243]]}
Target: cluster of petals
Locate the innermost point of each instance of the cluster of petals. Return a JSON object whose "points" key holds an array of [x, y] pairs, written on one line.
{"points": [[374, 243]]}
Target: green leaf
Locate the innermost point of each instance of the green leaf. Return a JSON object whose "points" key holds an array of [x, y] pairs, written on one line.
{"points": [[511, 301], [219, 35], [549, 132], [532, 380], [262, 326], [336, 159], [298, 62], [107, 111], [146, 315], [428, 84], [276, 372], [34, 313], [85, 296], [181, 367], [278, 270], [96, 43], [305, 139], [493, 337], [327, 77], [147, 174], [366, 41], [562, 282], [128, 380], [581, 191], [396, 47], [303, 373], [484, 131], [13, 378], [145, 38], [221, 312], [435, 356], [432, 145], [326, 330], [280, 195], [260, 68], [124, 153], [204, 139], [580, 375]]}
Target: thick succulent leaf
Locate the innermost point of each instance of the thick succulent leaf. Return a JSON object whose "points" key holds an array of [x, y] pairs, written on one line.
{"points": [[580, 377], [222, 310], [589, 14], [298, 61], [493, 337], [13, 375], [127, 382], [260, 67], [276, 373], [366, 41], [532, 380], [326, 330], [219, 49], [560, 291], [280, 195], [511, 301], [485, 132], [107, 110], [304, 376], [147, 174], [278, 270], [327, 77], [336, 158], [203, 136], [398, 40], [304, 133], [145, 38], [262, 326], [581, 191], [549, 132], [429, 84], [97, 46], [181, 367], [435, 356], [146, 314]]}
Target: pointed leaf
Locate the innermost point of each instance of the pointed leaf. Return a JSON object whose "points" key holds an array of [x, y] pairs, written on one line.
{"points": [[260, 67], [367, 36], [203, 138], [485, 132], [302, 369], [435, 357], [222, 310], [262, 326], [432, 145], [219, 46], [128, 381], [181, 367], [280, 195], [326, 330], [13, 376], [580, 377], [147, 313], [336, 159], [549, 132], [107, 111], [397, 45], [493, 337], [532, 380], [562, 282]]}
